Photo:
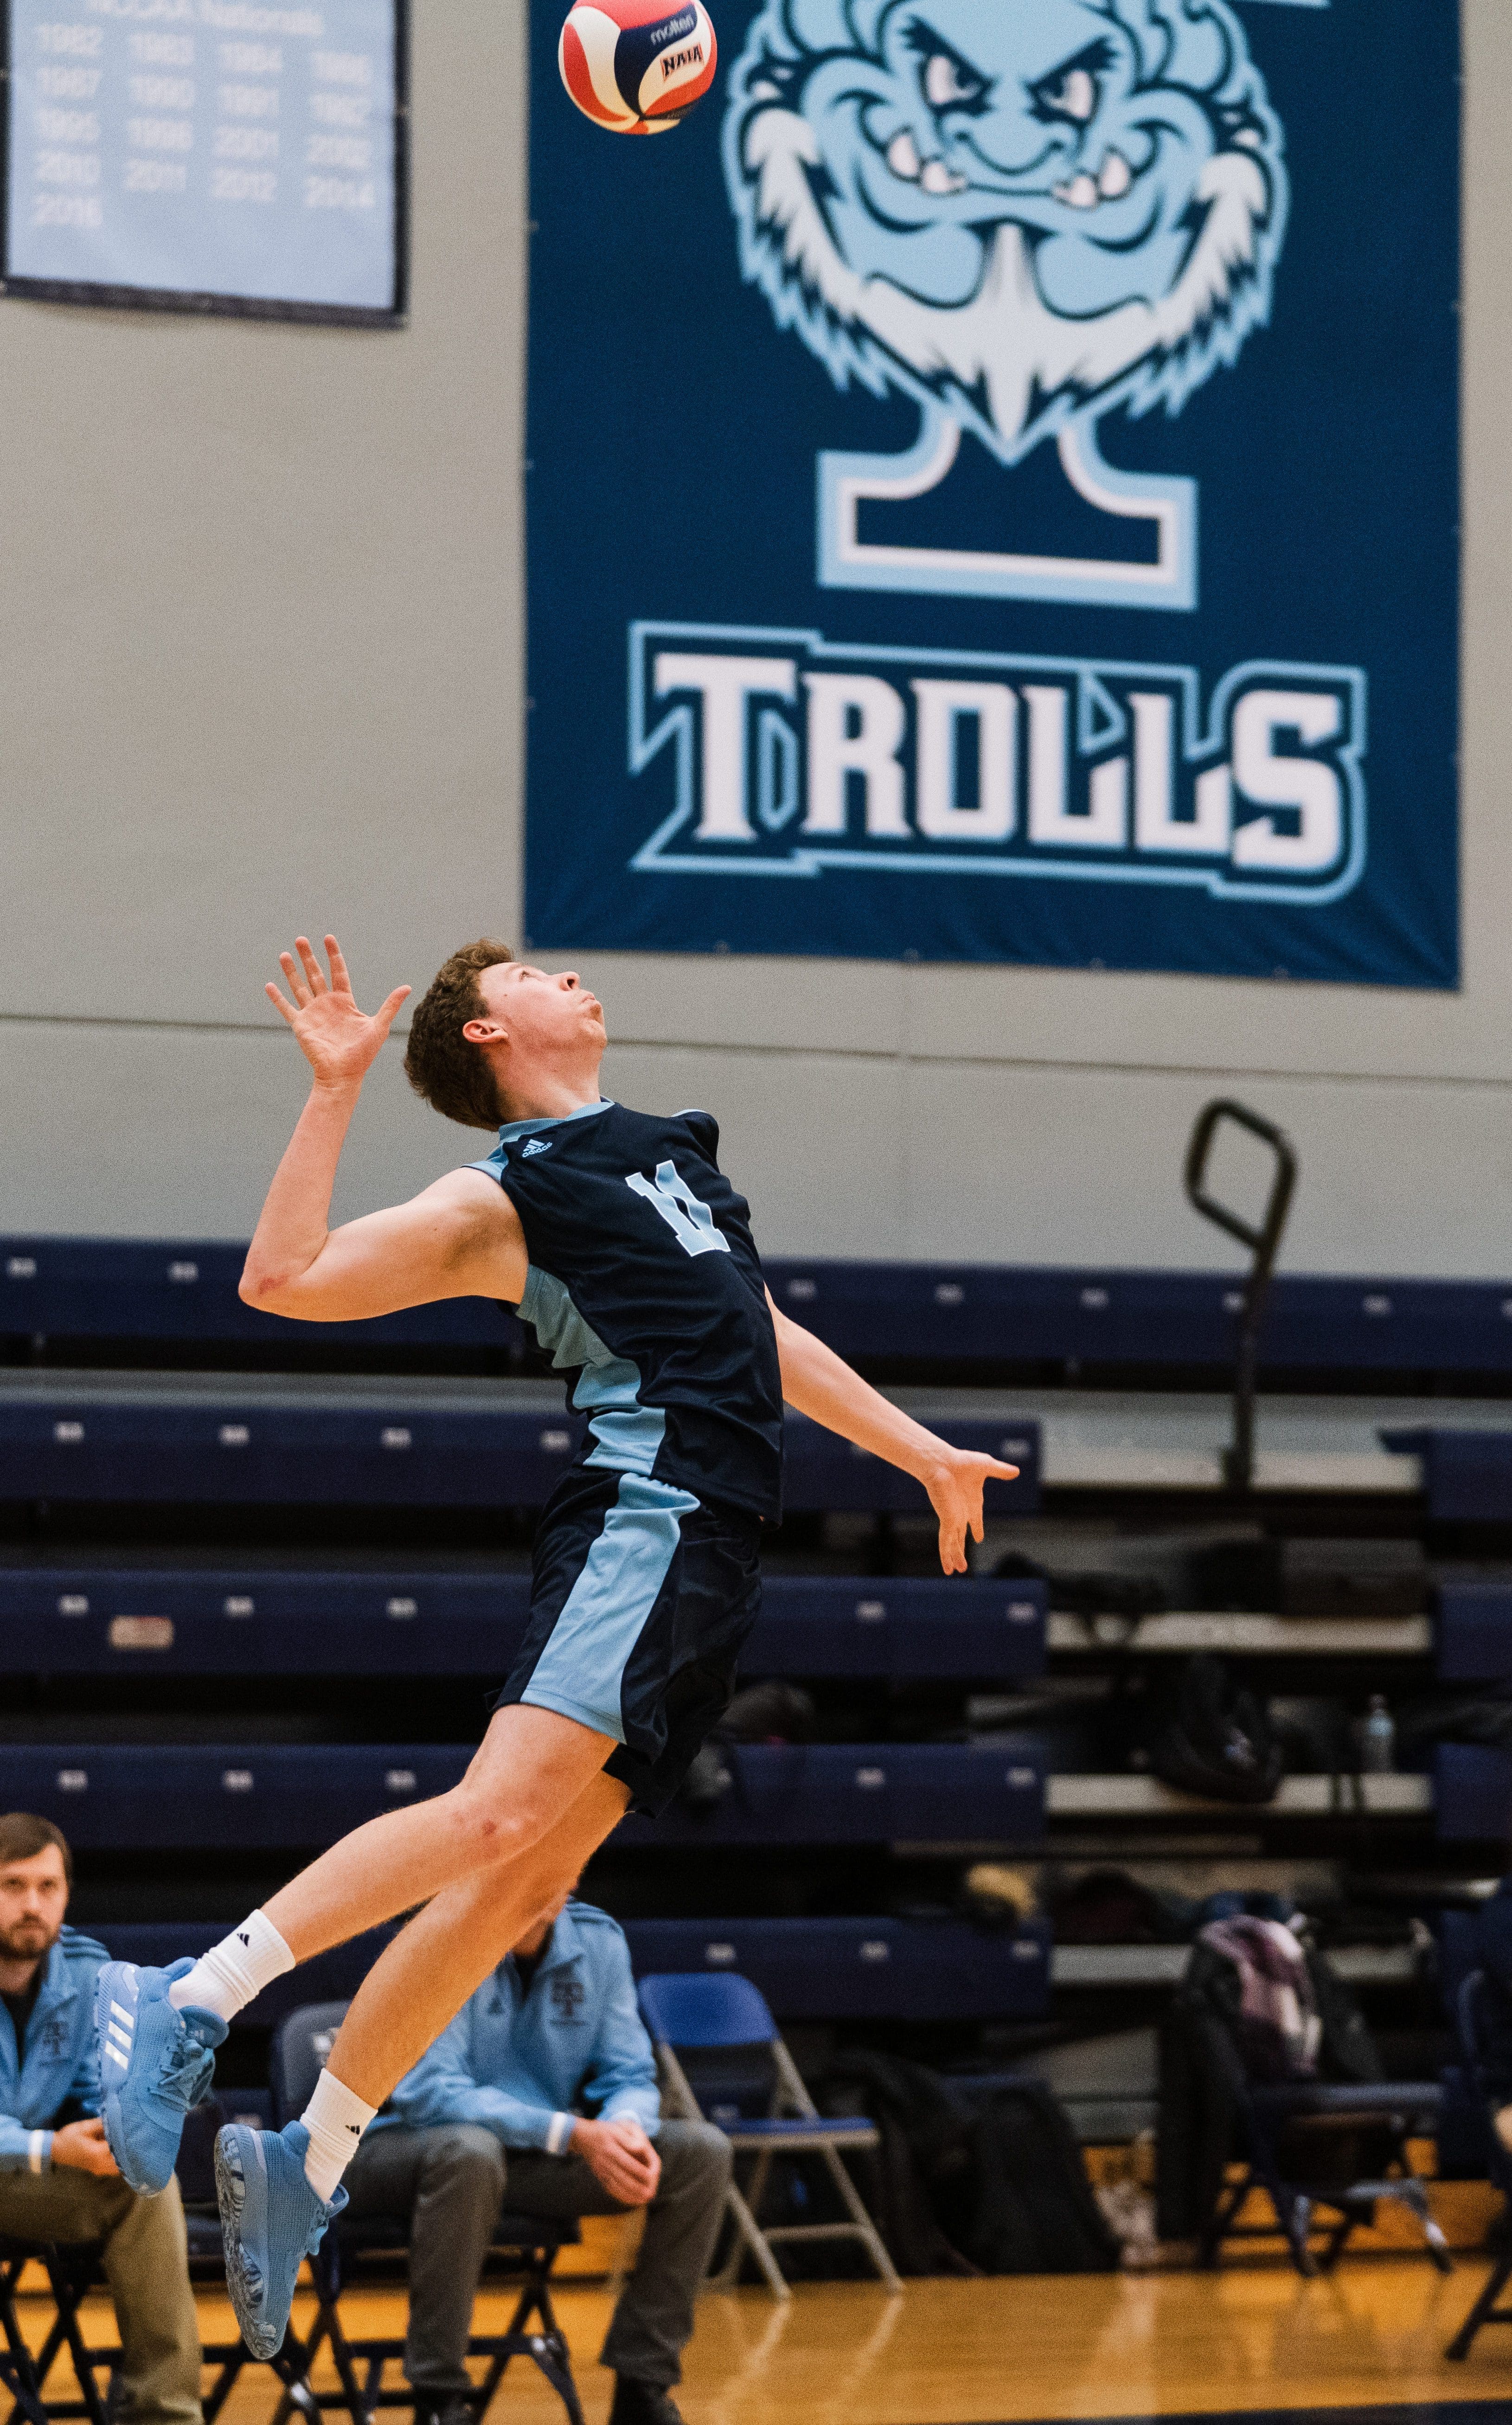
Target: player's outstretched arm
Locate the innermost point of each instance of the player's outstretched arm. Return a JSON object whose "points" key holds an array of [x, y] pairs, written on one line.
{"points": [[820, 1383], [459, 1238]]}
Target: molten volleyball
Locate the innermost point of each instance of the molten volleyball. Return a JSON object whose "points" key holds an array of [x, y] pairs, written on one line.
{"points": [[636, 65]]}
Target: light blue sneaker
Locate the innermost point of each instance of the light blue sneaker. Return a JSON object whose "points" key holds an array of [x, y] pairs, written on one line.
{"points": [[271, 2221], [155, 2065]]}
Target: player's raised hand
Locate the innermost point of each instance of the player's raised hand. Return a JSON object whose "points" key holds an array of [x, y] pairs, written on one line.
{"points": [[954, 1489], [339, 1041]]}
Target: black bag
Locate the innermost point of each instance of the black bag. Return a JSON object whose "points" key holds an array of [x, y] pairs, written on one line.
{"points": [[1089, 1594], [1309, 1578], [1107, 1906], [1211, 1736], [772, 1712], [973, 2180], [1034, 2211], [1448, 1717], [924, 2150]]}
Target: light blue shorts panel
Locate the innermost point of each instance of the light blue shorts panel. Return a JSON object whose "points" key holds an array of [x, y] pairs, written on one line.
{"points": [[580, 1670]]}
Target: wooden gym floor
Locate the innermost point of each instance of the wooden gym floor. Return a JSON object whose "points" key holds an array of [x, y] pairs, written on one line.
{"points": [[1252, 2340]]}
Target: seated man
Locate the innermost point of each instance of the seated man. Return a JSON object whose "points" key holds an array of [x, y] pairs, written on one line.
{"points": [[492, 2116], [58, 2176]]}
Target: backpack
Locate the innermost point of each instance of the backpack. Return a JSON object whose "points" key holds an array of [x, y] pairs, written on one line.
{"points": [[1275, 2024], [923, 2149], [1212, 1736], [1032, 2209], [973, 2179]]}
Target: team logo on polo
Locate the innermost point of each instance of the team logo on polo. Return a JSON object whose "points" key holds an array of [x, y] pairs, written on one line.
{"points": [[1022, 214], [567, 1997]]}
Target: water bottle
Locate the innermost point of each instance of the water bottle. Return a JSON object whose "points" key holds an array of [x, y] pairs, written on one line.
{"points": [[1378, 1739]]}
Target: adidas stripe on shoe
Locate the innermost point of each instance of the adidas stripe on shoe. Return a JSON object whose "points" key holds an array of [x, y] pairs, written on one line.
{"points": [[155, 2065]]}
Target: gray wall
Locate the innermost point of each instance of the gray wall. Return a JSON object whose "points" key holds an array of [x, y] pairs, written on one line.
{"points": [[259, 668]]}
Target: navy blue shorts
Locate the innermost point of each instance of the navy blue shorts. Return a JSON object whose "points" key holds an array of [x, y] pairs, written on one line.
{"points": [[641, 1600]]}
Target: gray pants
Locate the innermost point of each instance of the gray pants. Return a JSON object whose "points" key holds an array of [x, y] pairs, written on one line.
{"points": [[146, 2264], [454, 2182]]}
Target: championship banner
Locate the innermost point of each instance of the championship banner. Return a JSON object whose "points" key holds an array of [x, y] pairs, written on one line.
{"points": [[993, 492]]}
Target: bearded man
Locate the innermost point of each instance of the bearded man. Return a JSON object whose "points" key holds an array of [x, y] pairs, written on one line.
{"points": [[58, 2179]]}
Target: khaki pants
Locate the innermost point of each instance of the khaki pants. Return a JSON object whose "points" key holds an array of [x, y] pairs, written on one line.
{"points": [[146, 2264]]}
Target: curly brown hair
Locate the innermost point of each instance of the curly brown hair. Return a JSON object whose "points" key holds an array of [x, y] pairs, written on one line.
{"points": [[440, 1063]]}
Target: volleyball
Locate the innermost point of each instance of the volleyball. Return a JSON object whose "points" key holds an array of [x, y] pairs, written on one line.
{"points": [[636, 66]]}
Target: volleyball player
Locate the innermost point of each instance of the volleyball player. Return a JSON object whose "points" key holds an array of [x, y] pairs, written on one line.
{"points": [[629, 1252]]}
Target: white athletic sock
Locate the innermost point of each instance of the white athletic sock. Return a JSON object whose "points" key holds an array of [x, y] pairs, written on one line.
{"points": [[336, 2120], [235, 1970]]}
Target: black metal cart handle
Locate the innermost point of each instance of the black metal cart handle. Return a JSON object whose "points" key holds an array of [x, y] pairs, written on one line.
{"points": [[1263, 1244], [1263, 1241]]}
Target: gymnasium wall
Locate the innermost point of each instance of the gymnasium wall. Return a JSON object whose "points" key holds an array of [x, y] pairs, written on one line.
{"points": [[260, 667]]}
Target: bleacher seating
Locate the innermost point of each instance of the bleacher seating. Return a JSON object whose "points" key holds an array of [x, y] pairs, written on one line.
{"points": [[868, 1793], [1474, 1631], [453, 1414], [213, 1443], [1473, 1793], [270, 1796], [834, 1970], [62, 1289], [1467, 1475], [228, 1621], [863, 1969]]}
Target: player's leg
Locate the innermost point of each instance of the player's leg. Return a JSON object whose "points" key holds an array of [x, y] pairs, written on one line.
{"points": [[273, 2213], [159, 2029], [530, 1767], [428, 1972]]}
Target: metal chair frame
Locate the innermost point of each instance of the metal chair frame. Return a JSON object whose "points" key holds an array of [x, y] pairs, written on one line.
{"points": [[360, 2364], [529, 2245], [1265, 2110], [794, 2125], [73, 2270]]}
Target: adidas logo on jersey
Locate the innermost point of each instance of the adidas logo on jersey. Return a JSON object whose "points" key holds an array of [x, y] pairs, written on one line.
{"points": [[536, 1145]]}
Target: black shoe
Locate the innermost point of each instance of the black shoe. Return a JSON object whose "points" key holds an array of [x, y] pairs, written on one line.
{"points": [[452, 2410], [642, 2404]]}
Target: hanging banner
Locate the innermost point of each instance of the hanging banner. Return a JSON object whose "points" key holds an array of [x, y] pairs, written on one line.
{"points": [[993, 492]]}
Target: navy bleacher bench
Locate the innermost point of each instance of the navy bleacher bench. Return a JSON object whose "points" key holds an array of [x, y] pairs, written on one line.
{"points": [[158, 1448], [1474, 1631], [806, 1969], [969, 1314], [224, 1621], [281, 1796], [1473, 1793], [1467, 1475]]}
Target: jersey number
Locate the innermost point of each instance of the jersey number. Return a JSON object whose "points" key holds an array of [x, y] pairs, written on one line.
{"points": [[689, 1219]]}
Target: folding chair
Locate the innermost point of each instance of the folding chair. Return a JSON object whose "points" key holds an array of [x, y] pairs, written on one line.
{"points": [[73, 2269], [1469, 2013], [196, 2172], [527, 2245], [688, 2010], [1290, 2131]]}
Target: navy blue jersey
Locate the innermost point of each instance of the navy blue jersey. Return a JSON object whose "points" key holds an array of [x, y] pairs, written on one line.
{"points": [[645, 1282]]}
